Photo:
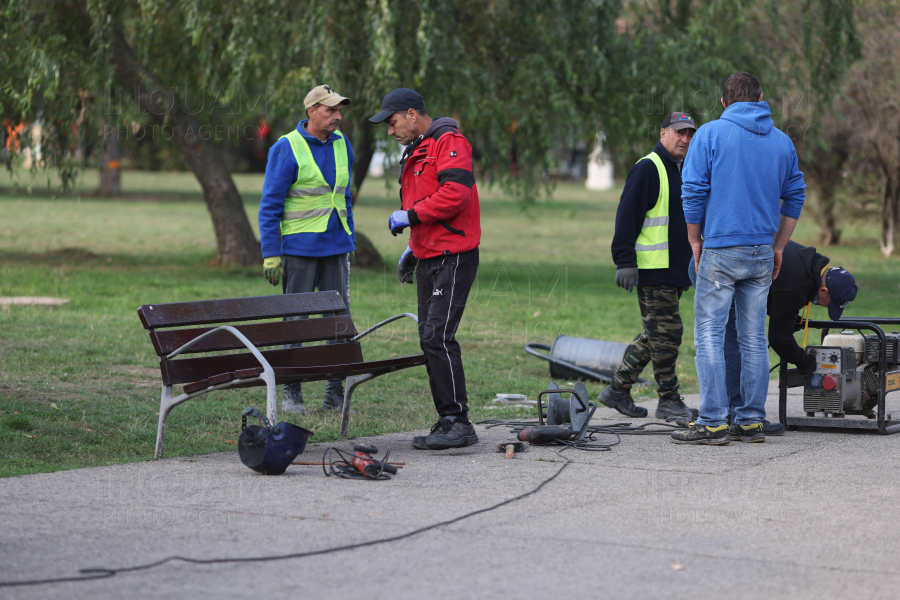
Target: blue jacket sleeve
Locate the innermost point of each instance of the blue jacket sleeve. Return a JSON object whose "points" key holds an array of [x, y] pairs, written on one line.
{"points": [[349, 195], [695, 178], [281, 172], [792, 193]]}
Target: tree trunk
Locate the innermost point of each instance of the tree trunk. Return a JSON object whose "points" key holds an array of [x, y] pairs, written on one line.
{"points": [[110, 182], [234, 238]]}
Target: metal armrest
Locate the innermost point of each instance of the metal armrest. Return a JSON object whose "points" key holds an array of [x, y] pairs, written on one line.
{"points": [[385, 322]]}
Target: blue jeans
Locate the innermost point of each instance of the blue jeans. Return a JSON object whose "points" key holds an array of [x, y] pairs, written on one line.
{"points": [[732, 283]]}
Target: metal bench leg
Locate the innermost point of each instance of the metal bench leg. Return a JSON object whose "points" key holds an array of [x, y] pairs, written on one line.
{"points": [[271, 396], [166, 405], [349, 386]]}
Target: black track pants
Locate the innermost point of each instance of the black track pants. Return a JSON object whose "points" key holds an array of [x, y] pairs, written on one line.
{"points": [[442, 287]]}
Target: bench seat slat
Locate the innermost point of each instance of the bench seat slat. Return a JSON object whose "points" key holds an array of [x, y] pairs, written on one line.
{"points": [[304, 374], [189, 370], [259, 334], [206, 312]]}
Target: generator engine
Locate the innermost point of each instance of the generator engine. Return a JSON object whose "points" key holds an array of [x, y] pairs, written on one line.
{"points": [[845, 380]]}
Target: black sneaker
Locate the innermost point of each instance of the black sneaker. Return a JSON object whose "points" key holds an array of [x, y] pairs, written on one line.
{"points": [[420, 442], [334, 397], [701, 434], [747, 433], [621, 401], [673, 405], [772, 428], [458, 435]]}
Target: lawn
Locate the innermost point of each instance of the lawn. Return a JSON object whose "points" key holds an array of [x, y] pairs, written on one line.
{"points": [[79, 383]]}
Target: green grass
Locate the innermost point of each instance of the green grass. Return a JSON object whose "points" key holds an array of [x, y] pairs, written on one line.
{"points": [[79, 383]]}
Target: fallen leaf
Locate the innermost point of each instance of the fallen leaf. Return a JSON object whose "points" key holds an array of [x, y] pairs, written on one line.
{"points": [[325, 514], [53, 405], [677, 567], [29, 436], [536, 313], [229, 442]]}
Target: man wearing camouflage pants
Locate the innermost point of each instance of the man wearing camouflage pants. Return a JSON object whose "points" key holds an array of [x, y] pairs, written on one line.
{"points": [[650, 249]]}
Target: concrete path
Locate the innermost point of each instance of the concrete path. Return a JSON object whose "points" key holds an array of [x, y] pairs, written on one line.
{"points": [[805, 515]]}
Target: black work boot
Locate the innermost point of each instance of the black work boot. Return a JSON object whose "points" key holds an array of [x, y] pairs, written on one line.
{"points": [[458, 435], [292, 399], [673, 406], [772, 428], [702, 434], [621, 401], [334, 396], [747, 433], [420, 442]]}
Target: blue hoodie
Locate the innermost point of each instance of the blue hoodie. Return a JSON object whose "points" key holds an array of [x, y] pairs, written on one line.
{"points": [[736, 171], [281, 173]]}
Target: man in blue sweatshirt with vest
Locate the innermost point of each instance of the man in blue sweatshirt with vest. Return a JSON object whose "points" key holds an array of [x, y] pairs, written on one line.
{"points": [[742, 191], [306, 217]]}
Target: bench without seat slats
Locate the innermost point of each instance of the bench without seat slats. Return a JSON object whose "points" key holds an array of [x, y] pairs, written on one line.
{"points": [[190, 370], [259, 334], [206, 312]]}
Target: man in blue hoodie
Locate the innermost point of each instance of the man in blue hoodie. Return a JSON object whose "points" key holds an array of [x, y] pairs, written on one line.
{"points": [[306, 217], [737, 171]]}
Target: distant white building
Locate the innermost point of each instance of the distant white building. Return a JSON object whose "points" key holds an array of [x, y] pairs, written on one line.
{"points": [[599, 168]]}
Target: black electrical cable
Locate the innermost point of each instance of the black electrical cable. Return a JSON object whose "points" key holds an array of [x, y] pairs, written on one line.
{"points": [[102, 573]]}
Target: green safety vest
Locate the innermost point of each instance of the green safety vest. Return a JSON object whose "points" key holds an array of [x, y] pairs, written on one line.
{"points": [[652, 246], [310, 199]]}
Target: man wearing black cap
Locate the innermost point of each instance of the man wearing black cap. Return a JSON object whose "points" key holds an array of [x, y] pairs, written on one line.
{"points": [[650, 248], [439, 203], [805, 279]]}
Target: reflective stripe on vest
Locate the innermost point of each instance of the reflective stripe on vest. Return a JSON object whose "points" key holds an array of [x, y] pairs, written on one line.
{"points": [[310, 200], [652, 246]]}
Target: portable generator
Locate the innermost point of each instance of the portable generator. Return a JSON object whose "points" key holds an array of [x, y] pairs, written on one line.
{"points": [[853, 373]]}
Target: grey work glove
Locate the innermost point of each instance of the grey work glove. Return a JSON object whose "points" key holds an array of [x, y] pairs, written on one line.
{"points": [[407, 266], [627, 278]]}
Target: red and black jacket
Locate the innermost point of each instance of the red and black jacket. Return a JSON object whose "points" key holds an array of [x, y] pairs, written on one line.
{"points": [[437, 189]]}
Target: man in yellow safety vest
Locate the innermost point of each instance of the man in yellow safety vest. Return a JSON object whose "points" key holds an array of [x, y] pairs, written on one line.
{"points": [[651, 251], [306, 216]]}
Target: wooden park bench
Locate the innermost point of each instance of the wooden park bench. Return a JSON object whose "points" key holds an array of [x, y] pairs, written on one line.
{"points": [[194, 328]]}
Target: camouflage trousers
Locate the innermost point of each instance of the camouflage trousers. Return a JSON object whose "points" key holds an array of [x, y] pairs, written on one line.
{"points": [[658, 342]]}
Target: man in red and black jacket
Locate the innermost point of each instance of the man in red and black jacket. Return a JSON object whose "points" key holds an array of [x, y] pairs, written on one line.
{"points": [[439, 203]]}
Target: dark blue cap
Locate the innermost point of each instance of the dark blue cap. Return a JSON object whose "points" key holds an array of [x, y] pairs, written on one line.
{"points": [[399, 99], [842, 289]]}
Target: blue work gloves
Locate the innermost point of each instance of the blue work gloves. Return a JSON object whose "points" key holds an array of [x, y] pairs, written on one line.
{"points": [[627, 278], [398, 221], [406, 266]]}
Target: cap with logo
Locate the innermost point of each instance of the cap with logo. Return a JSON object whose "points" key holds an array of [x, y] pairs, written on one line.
{"points": [[324, 94], [399, 99], [842, 288], [678, 121]]}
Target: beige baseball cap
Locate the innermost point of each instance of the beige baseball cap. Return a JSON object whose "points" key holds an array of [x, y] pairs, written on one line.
{"points": [[323, 94]]}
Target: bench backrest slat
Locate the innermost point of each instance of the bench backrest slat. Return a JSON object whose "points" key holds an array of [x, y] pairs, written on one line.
{"points": [[260, 335], [206, 312], [189, 370]]}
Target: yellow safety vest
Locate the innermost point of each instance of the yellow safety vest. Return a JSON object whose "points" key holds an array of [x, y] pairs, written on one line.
{"points": [[310, 199], [652, 246]]}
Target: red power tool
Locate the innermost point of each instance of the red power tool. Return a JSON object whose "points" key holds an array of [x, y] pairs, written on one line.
{"points": [[368, 466]]}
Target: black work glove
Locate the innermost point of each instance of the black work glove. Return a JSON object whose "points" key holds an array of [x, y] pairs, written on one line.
{"points": [[627, 278], [807, 364], [407, 266]]}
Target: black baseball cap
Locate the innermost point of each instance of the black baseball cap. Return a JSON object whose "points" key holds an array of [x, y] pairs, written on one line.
{"points": [[842, 288], [678, 121], [399, 99]]}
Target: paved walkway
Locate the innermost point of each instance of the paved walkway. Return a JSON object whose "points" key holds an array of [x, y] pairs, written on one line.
{"points": [[806, 515]]}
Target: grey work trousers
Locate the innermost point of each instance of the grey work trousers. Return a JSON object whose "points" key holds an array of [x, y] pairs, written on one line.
{"points": [[315, 273]]}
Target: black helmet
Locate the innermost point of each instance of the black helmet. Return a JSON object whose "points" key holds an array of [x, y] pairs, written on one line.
{"points": [[269, 450]]}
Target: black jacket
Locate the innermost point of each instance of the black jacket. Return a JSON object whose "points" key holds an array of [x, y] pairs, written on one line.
{"points": [[640, 195], [797, 284]]}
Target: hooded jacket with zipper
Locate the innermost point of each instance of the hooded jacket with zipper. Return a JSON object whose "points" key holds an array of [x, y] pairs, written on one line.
{"points": [[438, 191], [737, 170]]}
